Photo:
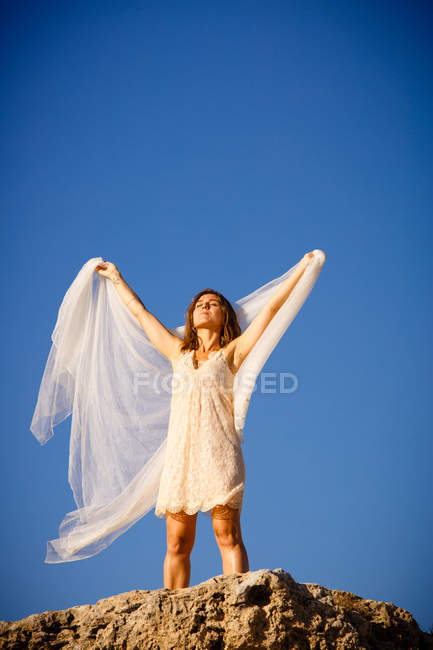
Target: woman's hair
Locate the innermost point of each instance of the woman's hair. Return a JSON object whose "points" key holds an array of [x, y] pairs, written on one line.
{"points": [[229, 330]]}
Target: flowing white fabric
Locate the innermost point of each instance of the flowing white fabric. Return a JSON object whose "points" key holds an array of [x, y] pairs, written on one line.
{"points": [[104, 370]]}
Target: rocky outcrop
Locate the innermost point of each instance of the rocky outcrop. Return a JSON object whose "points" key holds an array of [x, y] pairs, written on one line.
{"points": [[257, 609]]}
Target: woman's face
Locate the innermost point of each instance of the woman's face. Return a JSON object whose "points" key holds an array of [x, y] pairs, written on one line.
{"points": [[208, 312]]}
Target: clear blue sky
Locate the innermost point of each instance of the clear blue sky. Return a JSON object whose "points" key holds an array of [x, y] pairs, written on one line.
{"points": [[213, 144]]}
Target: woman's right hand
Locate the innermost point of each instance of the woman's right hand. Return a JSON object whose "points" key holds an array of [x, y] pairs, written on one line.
{"points": [[107, 270]]}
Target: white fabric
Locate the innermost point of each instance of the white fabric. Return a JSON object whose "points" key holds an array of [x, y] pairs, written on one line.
{"points": [[104, 370]]}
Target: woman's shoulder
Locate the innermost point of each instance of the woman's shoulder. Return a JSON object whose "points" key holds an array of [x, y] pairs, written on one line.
{"points": [[179, 353]]}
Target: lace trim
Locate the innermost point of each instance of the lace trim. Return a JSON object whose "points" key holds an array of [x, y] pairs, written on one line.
{"points": [[227, 363], [222, 500], [188, 354], [204, 361]]}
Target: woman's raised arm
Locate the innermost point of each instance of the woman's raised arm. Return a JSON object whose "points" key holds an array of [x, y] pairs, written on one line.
{"points": [[243, 344], [161, 337]]}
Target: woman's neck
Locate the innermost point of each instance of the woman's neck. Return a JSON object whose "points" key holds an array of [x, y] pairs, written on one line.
{"points": [[209, 341]]}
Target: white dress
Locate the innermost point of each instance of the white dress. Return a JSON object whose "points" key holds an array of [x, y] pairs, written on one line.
{"points": [[204, 464]]}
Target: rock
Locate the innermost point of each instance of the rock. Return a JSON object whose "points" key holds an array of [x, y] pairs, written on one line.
{"points": [[257, 609]]}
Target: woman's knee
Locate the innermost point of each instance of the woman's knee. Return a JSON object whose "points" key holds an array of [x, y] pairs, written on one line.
{"points": [[179, 545], [226, 525], [228, 538]]}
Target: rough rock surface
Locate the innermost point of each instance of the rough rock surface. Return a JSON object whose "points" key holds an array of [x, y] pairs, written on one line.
{"points": [[257, 609]]}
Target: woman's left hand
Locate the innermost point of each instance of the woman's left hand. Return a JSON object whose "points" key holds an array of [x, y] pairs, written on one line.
{"points": [[307, 257]]}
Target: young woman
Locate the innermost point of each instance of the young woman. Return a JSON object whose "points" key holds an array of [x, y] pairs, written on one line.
{"points": [[204, 466]]}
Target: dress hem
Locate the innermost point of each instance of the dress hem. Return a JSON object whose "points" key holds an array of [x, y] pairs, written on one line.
{"points": [[160, 511]]}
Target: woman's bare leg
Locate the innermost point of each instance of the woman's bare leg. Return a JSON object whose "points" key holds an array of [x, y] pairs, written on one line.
{"points": [[227, 528], [181, 529]]}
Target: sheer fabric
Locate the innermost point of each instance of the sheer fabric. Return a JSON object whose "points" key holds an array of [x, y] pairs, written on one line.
{"points": [[104, 371]]}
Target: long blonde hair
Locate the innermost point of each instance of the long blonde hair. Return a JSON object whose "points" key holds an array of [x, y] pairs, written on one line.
{"points": [[229, 330]]}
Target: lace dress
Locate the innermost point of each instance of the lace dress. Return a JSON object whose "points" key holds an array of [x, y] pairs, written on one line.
{"points": [[204, 464]]}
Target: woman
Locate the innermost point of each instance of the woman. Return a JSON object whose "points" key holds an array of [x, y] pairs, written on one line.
{"points": [[204, 467]]}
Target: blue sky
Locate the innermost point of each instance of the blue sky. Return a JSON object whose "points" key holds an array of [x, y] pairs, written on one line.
{"points": [[214, 144]]}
